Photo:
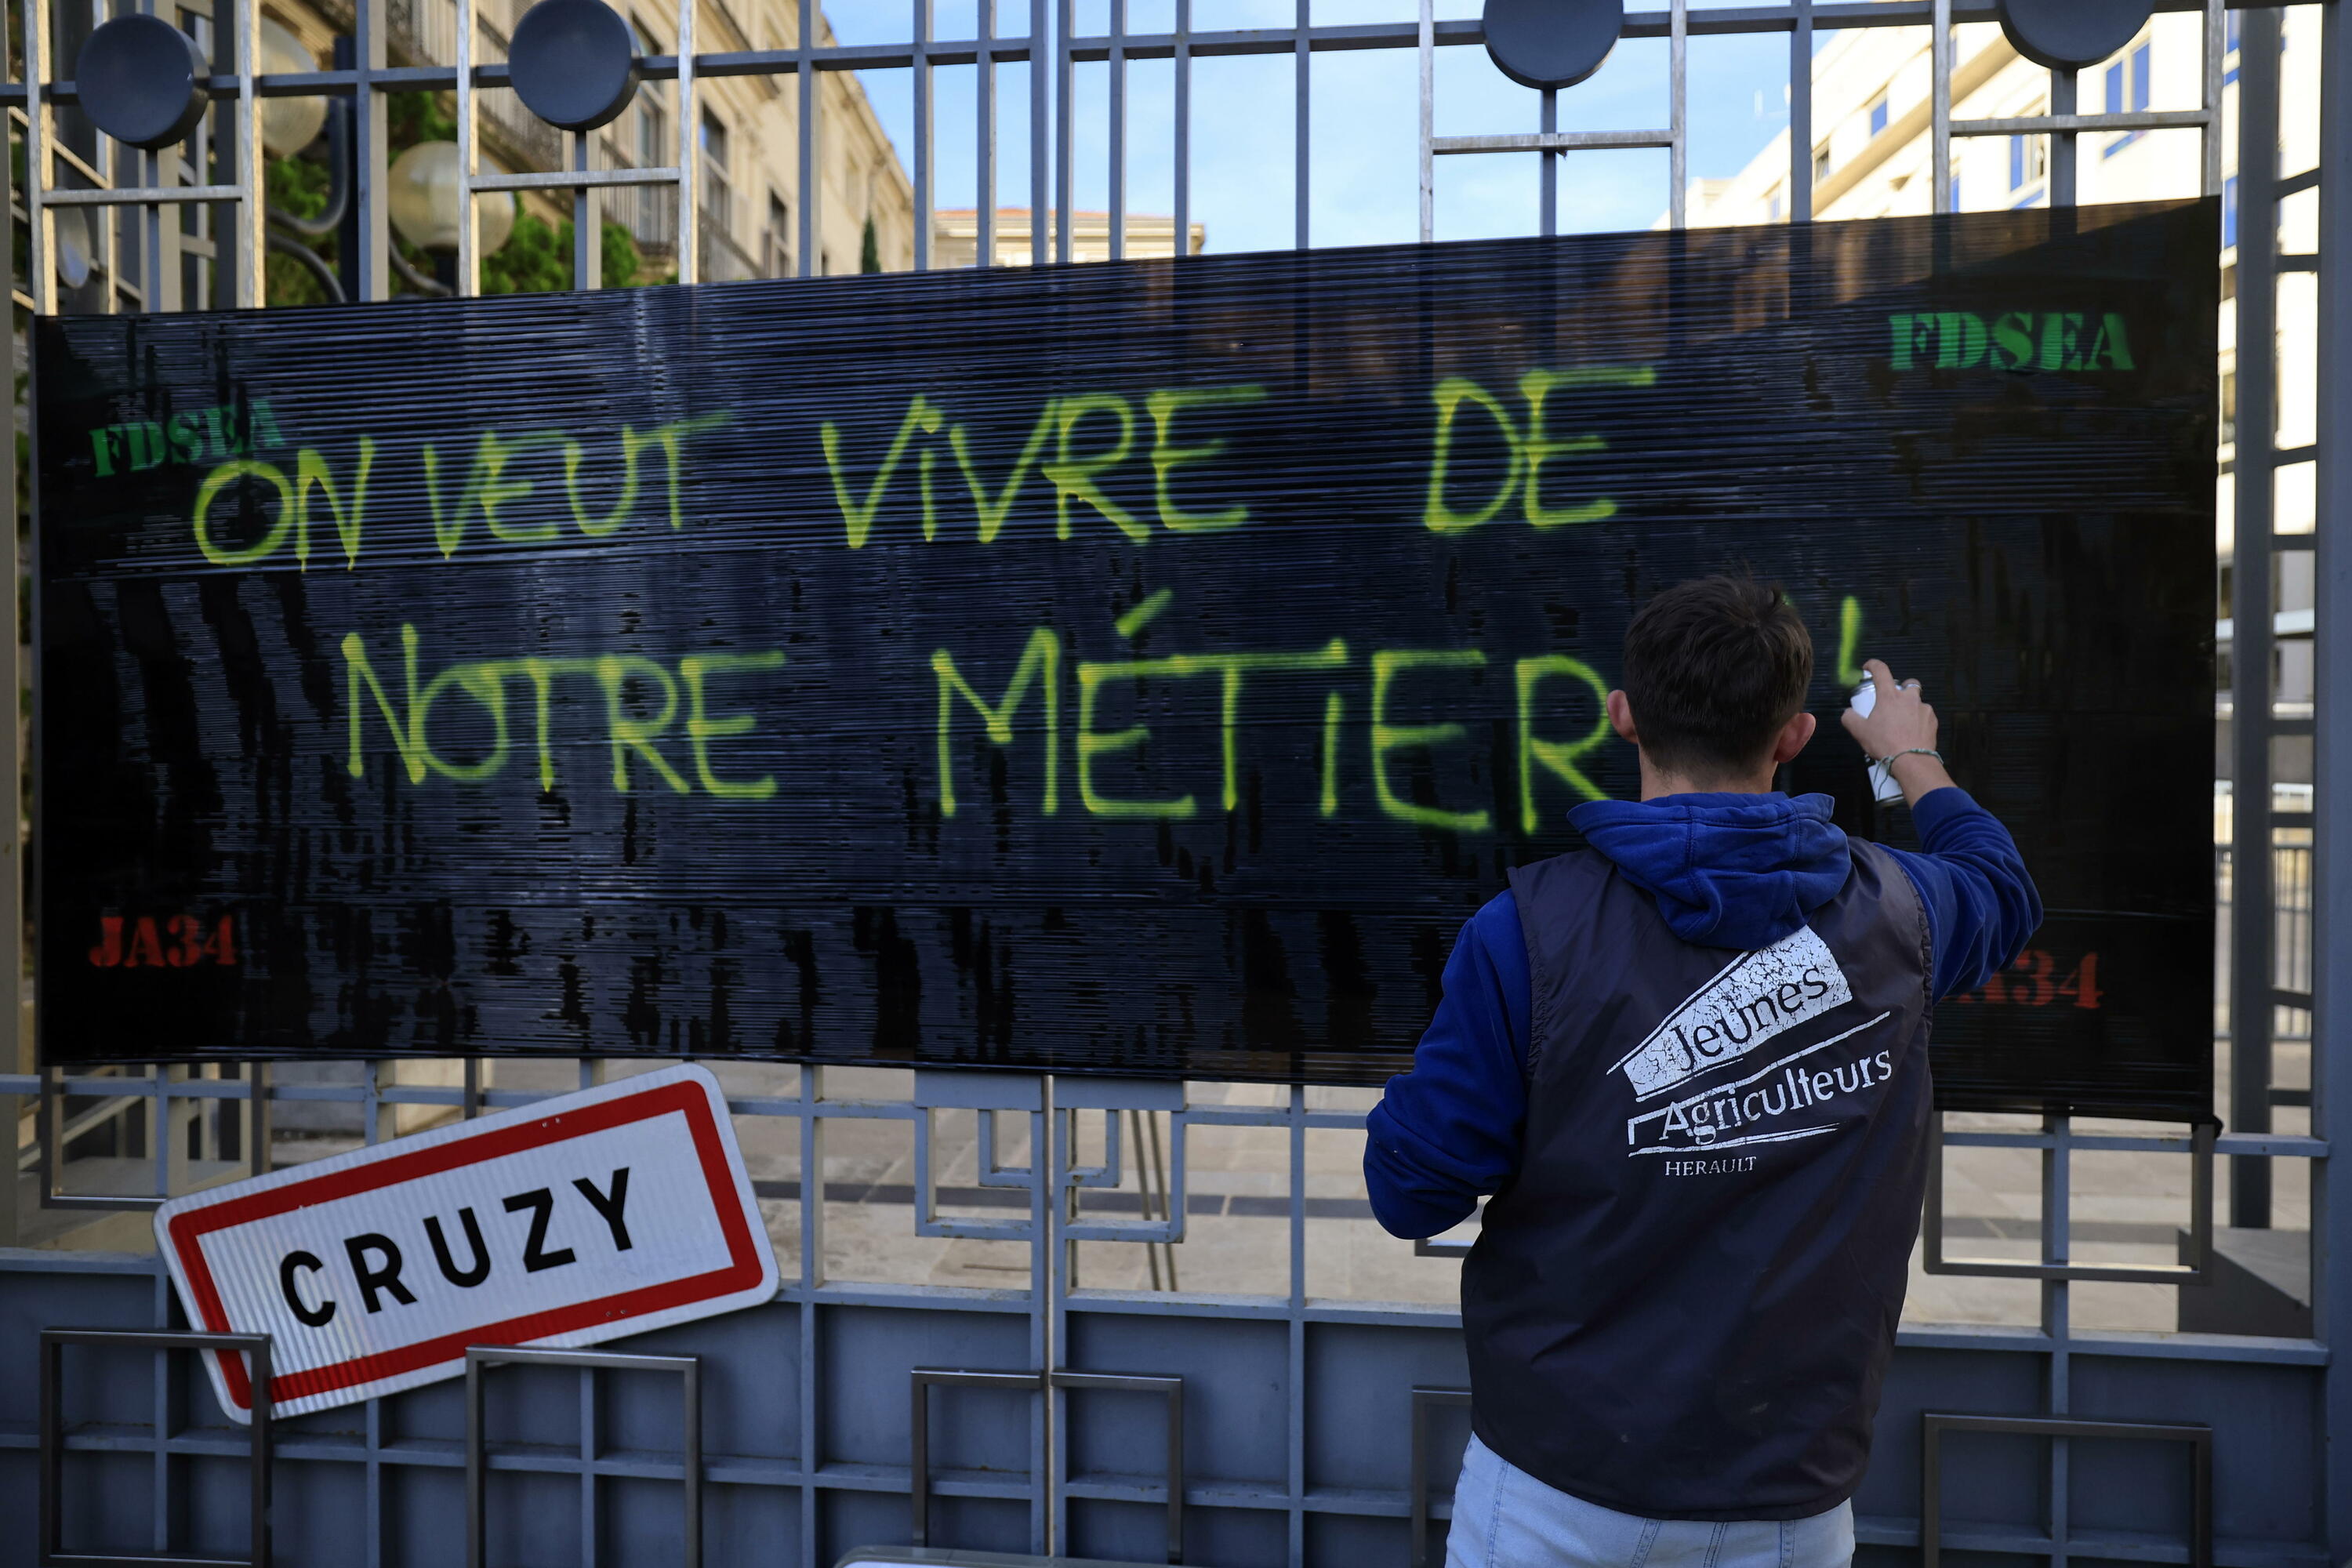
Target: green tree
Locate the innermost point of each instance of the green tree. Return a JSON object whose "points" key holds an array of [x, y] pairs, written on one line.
{"points": [[869, 250]]}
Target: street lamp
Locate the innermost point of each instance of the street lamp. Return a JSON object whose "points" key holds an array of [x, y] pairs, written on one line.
{"points": [[287, 124], [421, 198]]}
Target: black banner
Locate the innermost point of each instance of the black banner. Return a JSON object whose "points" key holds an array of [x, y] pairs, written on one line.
{"points": [[1141, 668]]}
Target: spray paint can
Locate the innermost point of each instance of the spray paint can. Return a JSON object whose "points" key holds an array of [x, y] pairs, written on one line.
{"points": [[1883, 787]]}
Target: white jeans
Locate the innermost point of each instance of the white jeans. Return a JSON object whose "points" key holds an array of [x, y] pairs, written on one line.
{"points": [[1505, 1518]]}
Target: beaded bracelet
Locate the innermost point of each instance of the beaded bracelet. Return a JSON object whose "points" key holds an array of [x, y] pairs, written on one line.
{"points": [[1888, 760]]}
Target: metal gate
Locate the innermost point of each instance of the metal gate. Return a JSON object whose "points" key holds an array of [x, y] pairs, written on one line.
{"points": [[1279, 1426]]}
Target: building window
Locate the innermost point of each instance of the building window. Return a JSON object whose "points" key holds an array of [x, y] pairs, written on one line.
{"points": [[2029, 159], [1772, 205], [718, 194], [2230, 212], [1956, 193], [779, 244], [1878, 115], [653, 134], [1820, 163], [2127, 84]]}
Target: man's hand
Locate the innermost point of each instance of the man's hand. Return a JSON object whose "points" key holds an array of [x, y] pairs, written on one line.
{"points": [[1900, 725]]}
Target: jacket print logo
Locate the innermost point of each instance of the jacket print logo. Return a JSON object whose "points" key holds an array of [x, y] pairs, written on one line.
{"points": [[1757, 996], [1798, 1087]]}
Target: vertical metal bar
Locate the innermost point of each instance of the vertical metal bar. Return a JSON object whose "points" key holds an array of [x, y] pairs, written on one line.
{"points": [[1064, 129], [810, 87], [2063, 144], [1679, 83], [920, 55], [587, 230], [1547, 166], [469, 226], [2211, 42], [1048, 1302], [1054, 1436], [983, 232], [15, 1044], [40, 231], [372, 1484], [258, 1436], [1300, 131], [2331, 1018], [1176, 1473], [588, 1546], [1939, 129], [690, 144], [1800, 115], [1183, 127], [52, 1521], [693, 1418], [812, 1270], [918, 1463], [1117, 65], [1427, 46], [475, 1517], [371, 153], [1298, 1314], [2057, 1315], [158, 1512], [2251, 870], [1043, 108], [252, 198]]}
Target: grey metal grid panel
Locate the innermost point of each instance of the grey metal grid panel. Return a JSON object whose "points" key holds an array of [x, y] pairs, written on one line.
{"points": [[1054, 1317]]}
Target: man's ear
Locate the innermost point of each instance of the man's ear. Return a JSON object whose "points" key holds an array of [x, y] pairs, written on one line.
{"points": [[1620, 719], [1794, 734]]}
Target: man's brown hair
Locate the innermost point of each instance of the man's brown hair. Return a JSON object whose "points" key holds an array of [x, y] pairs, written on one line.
{"points": [[1714, 667]]}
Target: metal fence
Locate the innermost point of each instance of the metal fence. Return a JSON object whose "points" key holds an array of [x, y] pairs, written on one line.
{"points": [[1304, 1437]]}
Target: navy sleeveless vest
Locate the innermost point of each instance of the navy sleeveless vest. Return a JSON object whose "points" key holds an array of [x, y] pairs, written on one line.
{"points": [[1682, 1305]]}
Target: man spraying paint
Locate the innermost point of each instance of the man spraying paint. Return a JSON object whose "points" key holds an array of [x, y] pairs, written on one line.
{"points": [[1689, 1063]]}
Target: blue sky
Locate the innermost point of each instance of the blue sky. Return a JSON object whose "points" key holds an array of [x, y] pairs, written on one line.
{"points": [[1363, 108]]}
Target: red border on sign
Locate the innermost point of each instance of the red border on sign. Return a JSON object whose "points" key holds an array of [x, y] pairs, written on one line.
{"points": [[742, 1271]]}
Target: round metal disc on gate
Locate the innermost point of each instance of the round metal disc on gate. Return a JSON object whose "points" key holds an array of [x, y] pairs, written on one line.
{"points": [[141, 81], [2068, 34], [1552, 43], [573, 63]]}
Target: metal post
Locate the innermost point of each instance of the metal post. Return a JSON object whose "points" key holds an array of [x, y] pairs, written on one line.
{"points": [[925, 147], [248, 241], [15, 1046], [2331, 1115], [368, 275], [1678, 87], [2062, 142], [810, 176], [2251, 890], [587, 227], [1939, 127], [470, 225], [689, 152], [1427, 45], [1116, 66], [1800, 120], [40, 231]]}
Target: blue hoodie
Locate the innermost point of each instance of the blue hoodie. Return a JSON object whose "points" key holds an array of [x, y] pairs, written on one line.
{"points": [[1727, 870]]}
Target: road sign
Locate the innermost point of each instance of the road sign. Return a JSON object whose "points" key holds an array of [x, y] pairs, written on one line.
{"points": [[571, 1222]]}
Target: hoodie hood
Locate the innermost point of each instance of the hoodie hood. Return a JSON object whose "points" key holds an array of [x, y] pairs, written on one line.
{"points": [[1727, 870]]}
